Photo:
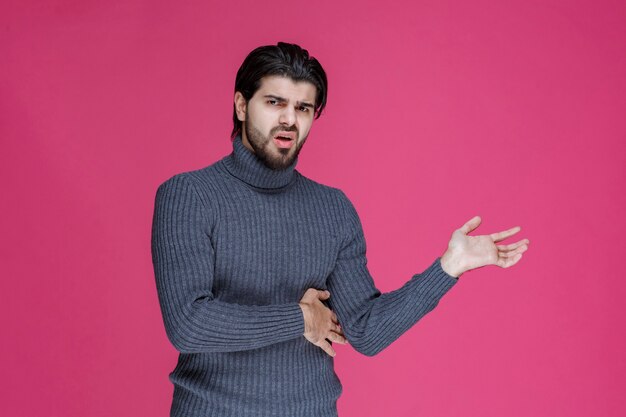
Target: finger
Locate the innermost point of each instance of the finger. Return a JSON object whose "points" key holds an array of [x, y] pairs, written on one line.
{"points": [[496, 237], [515, 260], [326, 347], [519, 249], [512, 246], [323, 294], [333, 317], [511, 254], [471, 225], [335, 337], [509, 262], [339, 330], [336, 328]]}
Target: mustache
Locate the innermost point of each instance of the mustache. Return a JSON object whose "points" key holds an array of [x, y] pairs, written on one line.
{"points": [[283, 129]]}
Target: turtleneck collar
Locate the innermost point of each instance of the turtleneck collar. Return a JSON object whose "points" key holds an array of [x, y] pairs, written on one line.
{"points": [[245, 165]]}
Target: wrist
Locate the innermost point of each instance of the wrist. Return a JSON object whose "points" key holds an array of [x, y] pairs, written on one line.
{"points": [[305, 316], [451, 264]]}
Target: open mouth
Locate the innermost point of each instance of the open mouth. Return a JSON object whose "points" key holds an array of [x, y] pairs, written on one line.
{"points": [[284, 141]]}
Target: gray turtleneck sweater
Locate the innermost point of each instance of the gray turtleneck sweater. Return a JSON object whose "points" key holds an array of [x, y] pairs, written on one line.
{"points": [[235, 245]]}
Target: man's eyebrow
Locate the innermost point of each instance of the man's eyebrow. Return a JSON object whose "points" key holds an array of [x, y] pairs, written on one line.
{"points": [[283, 100], [277, 98]]}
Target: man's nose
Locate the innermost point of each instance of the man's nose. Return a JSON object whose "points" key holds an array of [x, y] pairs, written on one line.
{"points": [[288, 116]]}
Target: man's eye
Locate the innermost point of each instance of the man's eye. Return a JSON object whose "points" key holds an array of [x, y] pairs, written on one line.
{"points": [[304, 109], [272, 102]]}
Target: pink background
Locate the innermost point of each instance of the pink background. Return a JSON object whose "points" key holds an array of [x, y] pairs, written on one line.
{"points": [[438, 111]]}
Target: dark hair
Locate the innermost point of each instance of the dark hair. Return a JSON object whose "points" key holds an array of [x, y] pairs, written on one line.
{"points": [[285, 59]]}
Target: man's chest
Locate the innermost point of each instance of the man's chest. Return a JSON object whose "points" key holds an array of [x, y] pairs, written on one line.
{"points": [[273, 249]]}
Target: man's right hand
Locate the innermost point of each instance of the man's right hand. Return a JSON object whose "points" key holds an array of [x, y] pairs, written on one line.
{"points": [[320, 323]]}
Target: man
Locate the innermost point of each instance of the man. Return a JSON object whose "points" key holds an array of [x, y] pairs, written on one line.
{"points": [[259, 269]]}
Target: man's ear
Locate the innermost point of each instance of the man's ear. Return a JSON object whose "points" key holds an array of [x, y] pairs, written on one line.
{"points": [[241, 106]]}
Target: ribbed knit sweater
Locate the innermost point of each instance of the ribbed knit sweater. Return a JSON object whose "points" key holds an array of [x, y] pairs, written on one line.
{"points": [[235, 245]]}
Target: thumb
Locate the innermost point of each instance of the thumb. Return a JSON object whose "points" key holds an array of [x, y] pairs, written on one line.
{"points": [[471, 225], [323, 294]]}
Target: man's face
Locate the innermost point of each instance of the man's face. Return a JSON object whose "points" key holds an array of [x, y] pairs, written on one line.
{"points": [[277, 119]]}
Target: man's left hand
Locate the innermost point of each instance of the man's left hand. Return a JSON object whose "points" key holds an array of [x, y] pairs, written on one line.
{"points": [[470, 252]]}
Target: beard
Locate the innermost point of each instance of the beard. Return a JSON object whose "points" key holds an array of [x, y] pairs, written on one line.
{"points": [[263, 149]]}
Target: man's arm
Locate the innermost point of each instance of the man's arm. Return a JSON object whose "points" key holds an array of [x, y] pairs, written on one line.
{"points": [[183, 259], [372, 320]]}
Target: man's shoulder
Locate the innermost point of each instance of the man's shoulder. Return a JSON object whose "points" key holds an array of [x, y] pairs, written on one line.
{"points": [[201, 184], [328, 192], [195, 177], [318, 187]]}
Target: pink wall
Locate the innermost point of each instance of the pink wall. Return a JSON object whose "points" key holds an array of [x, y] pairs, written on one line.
{"points": [[438, 111]]}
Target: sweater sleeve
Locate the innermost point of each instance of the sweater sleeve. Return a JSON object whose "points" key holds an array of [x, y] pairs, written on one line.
{"points": [[183, 260], [372, 320]]}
